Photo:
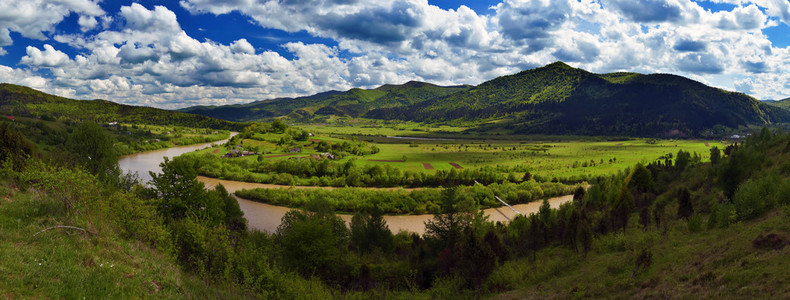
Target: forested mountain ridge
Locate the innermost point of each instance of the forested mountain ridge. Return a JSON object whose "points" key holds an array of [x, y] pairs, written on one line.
{"points": [[22, 101], [354, 102], [559, 99]]}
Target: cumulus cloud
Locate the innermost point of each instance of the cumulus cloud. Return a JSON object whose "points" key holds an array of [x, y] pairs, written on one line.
{"points": [[35, 18], [141, 55], [47, 58]]}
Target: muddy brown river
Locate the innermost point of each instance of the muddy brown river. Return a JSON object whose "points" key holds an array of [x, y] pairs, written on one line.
{"points": [[266, 217]]}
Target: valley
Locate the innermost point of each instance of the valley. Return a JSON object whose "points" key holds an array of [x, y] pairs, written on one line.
{"points": [[408, 203]]}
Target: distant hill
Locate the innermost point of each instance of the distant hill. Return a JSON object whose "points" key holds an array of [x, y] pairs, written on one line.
{"points": [[354, 102], [559, 99], [26, 102], [784, 103]]}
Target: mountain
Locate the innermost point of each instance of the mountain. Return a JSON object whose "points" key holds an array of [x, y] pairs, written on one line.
{"points": [[559, 99], [26, 102], [784, 103], [354, 102]]}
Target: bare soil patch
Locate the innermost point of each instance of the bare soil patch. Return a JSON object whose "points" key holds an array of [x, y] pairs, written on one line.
{"points": [[427, 166], [455, 165]]}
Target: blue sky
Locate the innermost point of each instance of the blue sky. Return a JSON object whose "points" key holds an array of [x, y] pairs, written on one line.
{"points": [[171, 54]]}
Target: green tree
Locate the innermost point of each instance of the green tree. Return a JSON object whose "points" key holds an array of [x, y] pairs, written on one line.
{"points": [[181, 194], [93, 149], [685, 210], [715, 155], [369, 231], [456, 213], [14, 146], [313, 240]]}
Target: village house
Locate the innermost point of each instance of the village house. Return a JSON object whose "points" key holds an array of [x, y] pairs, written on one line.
{"points": [[296, 150]]}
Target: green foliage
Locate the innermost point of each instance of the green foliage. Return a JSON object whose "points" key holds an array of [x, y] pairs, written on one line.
{"points": [[180, 194], [14, 147], [559, 99], [22, 101], [313, 241], [93, 149], [354, 103], [369, 231]]}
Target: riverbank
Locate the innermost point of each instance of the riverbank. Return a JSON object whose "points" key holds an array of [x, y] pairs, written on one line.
{"points": [[266, 217]]}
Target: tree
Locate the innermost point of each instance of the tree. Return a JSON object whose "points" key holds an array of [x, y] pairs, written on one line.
{"points": [[715, 155], [94, 150], [180, 193], [641, 179], [313, 240], [623, 205], [14, 146], [682, 160], [234, 217], [685, 210], [456, 212], [369, 231]]}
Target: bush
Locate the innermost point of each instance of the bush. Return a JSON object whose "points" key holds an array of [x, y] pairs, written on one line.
{"points": [[756, 196]]}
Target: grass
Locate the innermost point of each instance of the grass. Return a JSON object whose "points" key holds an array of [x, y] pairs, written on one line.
{"points": [[72, 264], [717, 263], [562, 159]]}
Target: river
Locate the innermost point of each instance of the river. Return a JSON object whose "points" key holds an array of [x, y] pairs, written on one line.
{"points": [[266, 217]]}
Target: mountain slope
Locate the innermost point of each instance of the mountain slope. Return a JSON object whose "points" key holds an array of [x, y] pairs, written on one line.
{"points": [[354, 102], [559, 99], [23, 101], [784, 103]]}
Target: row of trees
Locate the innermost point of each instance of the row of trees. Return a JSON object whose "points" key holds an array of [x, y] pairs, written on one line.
{"points": [[420, 201]]}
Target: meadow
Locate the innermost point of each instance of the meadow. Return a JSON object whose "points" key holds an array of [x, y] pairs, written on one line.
{"points": [[545, 158]]}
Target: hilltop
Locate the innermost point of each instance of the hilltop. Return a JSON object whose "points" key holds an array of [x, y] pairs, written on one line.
{"points": [[559, 99], [554, 99], [354, 102]]}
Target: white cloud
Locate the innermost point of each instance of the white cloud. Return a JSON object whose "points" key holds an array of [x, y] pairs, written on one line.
{"points": [[47, 58], [34, 18], [143, 56]]}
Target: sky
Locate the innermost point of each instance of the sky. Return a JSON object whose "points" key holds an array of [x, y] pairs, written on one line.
{"points": [[179, 53]]}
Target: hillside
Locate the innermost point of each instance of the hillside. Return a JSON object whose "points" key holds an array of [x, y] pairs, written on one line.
{"points": [[354, 102], [784, 103], [26, 102], [559, 99]]}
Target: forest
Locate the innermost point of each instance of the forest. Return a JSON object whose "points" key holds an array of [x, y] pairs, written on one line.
{"points": [[628, 228]]}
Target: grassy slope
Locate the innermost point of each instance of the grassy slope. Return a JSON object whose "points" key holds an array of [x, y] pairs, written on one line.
{"points": [[718, 263], [65, 263]]}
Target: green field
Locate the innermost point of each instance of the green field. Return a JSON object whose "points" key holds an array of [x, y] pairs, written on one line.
{"points": [[564, 159]]}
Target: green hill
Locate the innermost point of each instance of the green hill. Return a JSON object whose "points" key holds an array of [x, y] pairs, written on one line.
{"points": [[354, 102], [559, 99], [22, 101], [784, 103]]}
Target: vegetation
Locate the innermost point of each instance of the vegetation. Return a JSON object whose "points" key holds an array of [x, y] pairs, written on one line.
{"points": [[554, 99], [559, 99], [317, 108], [640, 230], [418, 201], [19, 101]]}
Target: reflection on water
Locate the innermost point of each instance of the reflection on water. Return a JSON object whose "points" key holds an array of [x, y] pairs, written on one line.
{"points": [[266, 217]]}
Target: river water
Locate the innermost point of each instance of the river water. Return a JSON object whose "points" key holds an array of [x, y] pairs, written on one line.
{"points": [[266, 217]]}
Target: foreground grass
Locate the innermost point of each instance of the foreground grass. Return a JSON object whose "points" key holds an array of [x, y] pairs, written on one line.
{"points": [[712, 264], [72, 264]]}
